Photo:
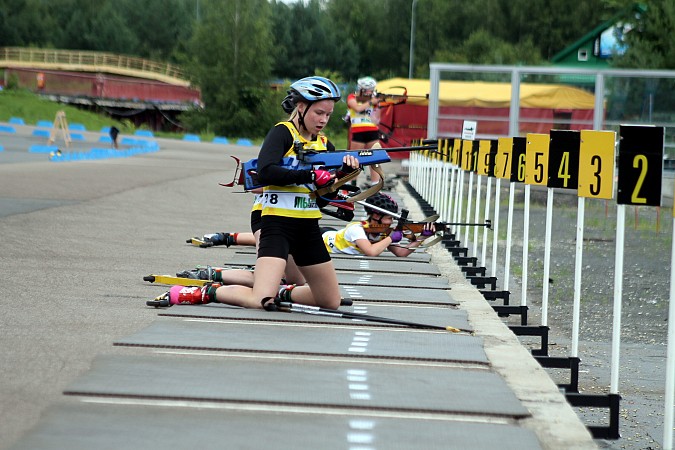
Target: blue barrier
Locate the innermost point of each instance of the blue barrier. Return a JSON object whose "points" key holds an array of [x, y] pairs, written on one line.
{"points": [[220, 140], [192, 138], [144, 133], [77, 127], [7, 129], [42, 148], [41, 133], [16, 121], [105, 139], [44, 124], [2, 149], [243, 141], [105, 130], [76, 137], [100, 153]]}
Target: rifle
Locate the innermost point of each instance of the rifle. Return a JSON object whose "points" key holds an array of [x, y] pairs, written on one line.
{"points": [[397, 99], [246, 174], [418, 227]]}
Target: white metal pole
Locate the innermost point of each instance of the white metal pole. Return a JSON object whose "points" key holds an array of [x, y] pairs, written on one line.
{"points": [[668, 422], [488, 192], [526, 240], [547, 256], [576, 307], [479, 180], [495, 228], [509, 230], [618, 294], [469, 193]]}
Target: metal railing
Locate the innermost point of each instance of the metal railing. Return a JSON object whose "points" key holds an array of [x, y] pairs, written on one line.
{"points": [[92, 62]]}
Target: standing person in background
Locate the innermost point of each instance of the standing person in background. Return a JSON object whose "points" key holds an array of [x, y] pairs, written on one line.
{"points": [[363, 126]]}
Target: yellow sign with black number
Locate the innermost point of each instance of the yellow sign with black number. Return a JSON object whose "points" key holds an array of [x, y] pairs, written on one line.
{"points": [[503, 158], [596, 164], [536, 159], [483, 163]]}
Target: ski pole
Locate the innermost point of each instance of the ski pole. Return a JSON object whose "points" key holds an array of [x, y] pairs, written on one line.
{"points": [[318, 311]]}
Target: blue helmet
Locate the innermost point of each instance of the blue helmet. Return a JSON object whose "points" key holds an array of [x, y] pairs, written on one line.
{"points": [[310, 89]]}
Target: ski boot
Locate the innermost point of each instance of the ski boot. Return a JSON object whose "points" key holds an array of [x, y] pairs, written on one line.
{"points": [[207, 273], [186, 295], [213, 239]]}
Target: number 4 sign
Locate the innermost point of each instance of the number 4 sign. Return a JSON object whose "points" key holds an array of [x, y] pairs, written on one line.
{"points": [[640, 165]]}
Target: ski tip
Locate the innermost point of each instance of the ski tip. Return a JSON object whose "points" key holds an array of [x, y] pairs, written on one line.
{"points": [[150, 278], [453, 329]]}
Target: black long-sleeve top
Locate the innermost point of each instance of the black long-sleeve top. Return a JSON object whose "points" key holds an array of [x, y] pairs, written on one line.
{"points": [[276, 144]]}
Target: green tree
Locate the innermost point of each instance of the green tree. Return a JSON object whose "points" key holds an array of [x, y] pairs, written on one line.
{"points": [[650, 43], [230, 61]]}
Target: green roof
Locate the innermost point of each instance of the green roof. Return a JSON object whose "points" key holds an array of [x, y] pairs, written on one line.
{"points": [[595, 32]]}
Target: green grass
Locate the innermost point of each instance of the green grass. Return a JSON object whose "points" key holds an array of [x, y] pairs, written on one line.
{"points": [[31, 108]]}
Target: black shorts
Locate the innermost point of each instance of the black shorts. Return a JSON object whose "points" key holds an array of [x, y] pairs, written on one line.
{"points": [[281, 236], [256, 221], [366, 136]]}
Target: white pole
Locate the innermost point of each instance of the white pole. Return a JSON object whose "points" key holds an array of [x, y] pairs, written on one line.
{"points": [[488, 192], [469, 193], [495, 228], [526, 240], [576, 310], [670, 358], [452, 201], [509, 230], [547, 257], [618, 293], [460, 195], [479, 180]]}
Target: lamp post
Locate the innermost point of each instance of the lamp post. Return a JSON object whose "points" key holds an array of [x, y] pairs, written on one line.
{"points": [[412, 40]]}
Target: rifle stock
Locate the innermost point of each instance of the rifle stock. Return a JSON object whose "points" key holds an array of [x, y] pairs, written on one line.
{"points": [[307, 159]]}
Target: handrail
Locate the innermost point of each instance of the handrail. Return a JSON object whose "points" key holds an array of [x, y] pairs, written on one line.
{"points": [[90, 61]]}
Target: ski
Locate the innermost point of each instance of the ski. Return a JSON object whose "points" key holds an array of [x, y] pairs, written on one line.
{"points": [[173, 280]]}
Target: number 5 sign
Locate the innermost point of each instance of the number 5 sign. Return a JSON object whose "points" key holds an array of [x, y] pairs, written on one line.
{"points": [[640, 165]]}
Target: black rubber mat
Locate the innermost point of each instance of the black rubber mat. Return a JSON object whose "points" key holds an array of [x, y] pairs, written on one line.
{"points": [[438, 316], [87, 426], [397, 295], [389, 280], [383, 387], [403, 344], [418, 256], [401, 266]]}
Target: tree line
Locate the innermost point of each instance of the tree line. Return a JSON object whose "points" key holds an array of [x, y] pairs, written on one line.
{"points": [[232, 49]]}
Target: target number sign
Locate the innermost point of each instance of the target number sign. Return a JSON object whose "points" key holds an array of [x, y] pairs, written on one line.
{"points": [[640, 165], [503, 158], [563, 159], [536, 159], [518, 165], [596, 164]]}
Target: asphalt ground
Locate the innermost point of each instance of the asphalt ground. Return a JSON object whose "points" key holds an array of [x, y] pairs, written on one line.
{"points": [[78, 237]]}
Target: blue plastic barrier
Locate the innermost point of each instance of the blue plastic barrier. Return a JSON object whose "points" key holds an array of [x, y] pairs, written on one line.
{"points": [[41, 133], [16, 121], [220, 140], [105, 130], [192, 138], [101, 153], [42, 148], [243, 141], [144, 133], [7, 129], [44, 124], [105, 139], [2, 149], [76, 137], [76, 127]]}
